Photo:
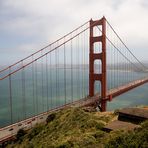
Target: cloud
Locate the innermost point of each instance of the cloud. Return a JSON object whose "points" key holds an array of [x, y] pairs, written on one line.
{"points": [[35, 23]]}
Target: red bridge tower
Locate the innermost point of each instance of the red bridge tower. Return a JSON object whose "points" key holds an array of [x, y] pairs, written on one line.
{"points": [[98, 56]]}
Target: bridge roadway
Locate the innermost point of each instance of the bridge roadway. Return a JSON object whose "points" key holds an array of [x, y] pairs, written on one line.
{"points": [[10, 131]]}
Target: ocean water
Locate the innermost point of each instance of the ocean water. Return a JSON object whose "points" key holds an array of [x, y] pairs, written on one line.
{"points": [[38, 90]]}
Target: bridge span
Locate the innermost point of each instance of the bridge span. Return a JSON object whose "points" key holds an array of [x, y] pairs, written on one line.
{"points": [[9, 132]]}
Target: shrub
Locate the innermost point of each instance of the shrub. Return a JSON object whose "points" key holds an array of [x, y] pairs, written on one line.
{"points": [[50, 117], [20, 134], [137, 138]]}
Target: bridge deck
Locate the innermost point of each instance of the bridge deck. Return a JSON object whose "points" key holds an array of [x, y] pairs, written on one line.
{"points": [[122, 89], [114, 92]]}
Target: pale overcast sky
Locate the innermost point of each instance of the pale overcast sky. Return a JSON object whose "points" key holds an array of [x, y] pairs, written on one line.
{"points": [[28, 25]]}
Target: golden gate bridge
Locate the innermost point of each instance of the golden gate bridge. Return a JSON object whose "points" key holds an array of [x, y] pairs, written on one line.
{"points": [[88, 66]]}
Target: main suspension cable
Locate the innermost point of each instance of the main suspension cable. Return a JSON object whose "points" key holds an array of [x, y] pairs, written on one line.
{"points": [[126, 45]]}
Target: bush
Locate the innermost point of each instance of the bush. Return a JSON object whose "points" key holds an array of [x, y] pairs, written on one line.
{"points": [[137, 138], [20, 134], [51, 117]]}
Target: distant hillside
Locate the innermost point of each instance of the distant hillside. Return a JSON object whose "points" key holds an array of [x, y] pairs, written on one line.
{"points": [[119, 66], [78, 128]]}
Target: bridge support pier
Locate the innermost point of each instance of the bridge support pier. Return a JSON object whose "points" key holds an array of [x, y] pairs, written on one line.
{"points": [[98, 56]]}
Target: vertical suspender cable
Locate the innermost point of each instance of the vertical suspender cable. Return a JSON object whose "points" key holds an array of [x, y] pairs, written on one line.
{"points": [[117, 66], [107, 60], [36, 85], [23, 91], [84, 64], [33, 86], [127, 71], [111, 62], [71, 69], [42, 82], [85, 83], [51, 96], [64, 71], [79, 83], [78, 78], [47, 81], [81, 65], [58, 70], [82, 69], [10, 93], [56, 73]]}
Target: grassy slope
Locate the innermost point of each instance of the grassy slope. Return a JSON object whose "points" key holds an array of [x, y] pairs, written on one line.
{"points": [[74, 127]]}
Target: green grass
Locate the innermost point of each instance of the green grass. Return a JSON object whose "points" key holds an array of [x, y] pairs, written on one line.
{"points": [[74, 127]]}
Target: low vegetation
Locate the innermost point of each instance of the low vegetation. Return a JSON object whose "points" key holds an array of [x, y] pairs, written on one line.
{"points": [[132, 139], [76, 127]]}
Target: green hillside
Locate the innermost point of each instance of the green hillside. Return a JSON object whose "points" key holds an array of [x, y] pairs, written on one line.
{"points": [[76, 127]]}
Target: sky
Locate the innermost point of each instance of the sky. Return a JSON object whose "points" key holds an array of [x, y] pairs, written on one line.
{"points": [[28, 25]]}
